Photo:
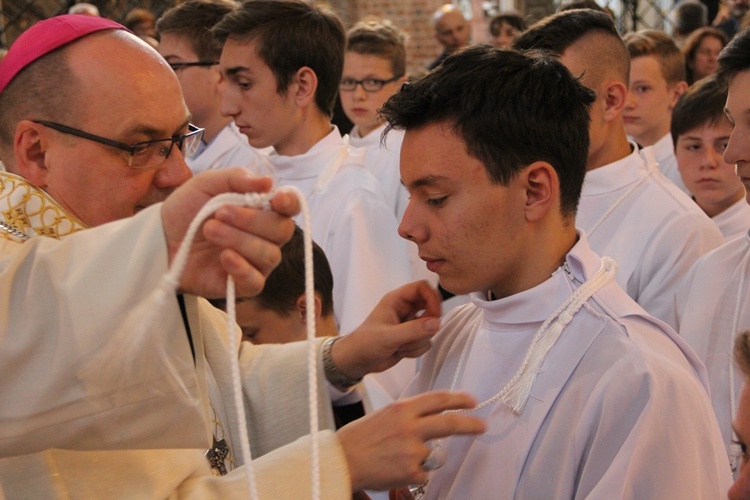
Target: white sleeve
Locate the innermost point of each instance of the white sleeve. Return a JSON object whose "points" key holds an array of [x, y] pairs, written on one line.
{"points": [[60, 304]]}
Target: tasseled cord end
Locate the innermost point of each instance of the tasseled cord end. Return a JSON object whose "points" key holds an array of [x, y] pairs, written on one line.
{"points": [[520, 388]]}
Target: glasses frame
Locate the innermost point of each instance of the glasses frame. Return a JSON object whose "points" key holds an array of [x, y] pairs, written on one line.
{"points": [[181, 65], [381, 84], [134, 148]]}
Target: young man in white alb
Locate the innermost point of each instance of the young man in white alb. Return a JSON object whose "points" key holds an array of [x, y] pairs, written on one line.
{"points": [[714, 305], [700, 131], [657, 80], [281, 63], [186, 42], [628, 209], [585, 394]]}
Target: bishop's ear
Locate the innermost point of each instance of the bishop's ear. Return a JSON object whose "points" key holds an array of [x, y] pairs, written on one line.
{"points": [[542, 189], [30, 143]]}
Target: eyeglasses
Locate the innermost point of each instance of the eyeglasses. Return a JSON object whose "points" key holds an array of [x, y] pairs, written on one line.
{"points": [[369, 84], [147, 154], [180, 65]]}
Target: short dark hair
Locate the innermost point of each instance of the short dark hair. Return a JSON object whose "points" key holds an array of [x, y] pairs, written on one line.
{"points": [[689, 15], [555, 33], [661, 47], [193, 20], [511, 109], [693, 42], [735, 57], [286, 283], [703, 103], [289, 35], [379, 37], [559, 31], [580, 4], [511, 18]]}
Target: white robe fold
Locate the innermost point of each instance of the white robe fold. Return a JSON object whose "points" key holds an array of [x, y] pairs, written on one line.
{"points": [[653, 230], [229, 149], [618, 410], [716, 296], [61, 302], [358, 232]]}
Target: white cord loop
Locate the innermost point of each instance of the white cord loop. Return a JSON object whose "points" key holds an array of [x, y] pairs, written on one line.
{"points": [[119, 349]]}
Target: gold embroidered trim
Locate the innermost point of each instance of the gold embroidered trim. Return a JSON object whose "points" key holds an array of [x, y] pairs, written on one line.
{"points": [[32, 211]]}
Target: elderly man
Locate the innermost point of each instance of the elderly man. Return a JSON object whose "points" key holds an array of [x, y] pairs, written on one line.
{"points": [[452, 31], [79, 162]]}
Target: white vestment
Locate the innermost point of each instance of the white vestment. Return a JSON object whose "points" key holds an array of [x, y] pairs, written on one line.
{"points": [[228, 149], [356, 230], [618, 409], [735, 220], [713, 306], [655, 232], [383, 161], [63, 302], [665, 157]]}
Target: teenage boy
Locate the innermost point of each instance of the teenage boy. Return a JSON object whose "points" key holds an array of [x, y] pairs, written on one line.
{"points": [[657, 80], [700, 131], [188, 46], [715, 303], [629, 210], [494, 158], [281, 63], [374, 70]]}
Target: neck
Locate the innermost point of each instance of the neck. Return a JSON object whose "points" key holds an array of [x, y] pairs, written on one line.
{"points": [[544, 254], [367, 130], [615, 147], [651, 138], [313, 127], [326, 327]]}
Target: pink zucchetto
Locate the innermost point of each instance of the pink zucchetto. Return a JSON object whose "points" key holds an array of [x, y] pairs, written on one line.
{"points": [[46, 36]]}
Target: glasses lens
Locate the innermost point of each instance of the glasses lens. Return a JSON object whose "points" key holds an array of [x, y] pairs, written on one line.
{"points": [[348, 84], [151, 154], [372, 85], [191, 143]]}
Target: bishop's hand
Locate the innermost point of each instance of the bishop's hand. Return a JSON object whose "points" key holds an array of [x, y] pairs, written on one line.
{"points": [[395, 329], [239, 241]]}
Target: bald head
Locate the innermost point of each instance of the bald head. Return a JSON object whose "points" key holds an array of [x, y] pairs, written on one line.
{"points": [[452, 30], [78, 79]]}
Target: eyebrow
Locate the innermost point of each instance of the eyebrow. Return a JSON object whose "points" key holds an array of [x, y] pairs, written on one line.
{"points": [[150, 131], [234, 70], [427, 181]]}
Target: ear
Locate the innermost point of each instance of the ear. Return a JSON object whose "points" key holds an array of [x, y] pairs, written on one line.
{"points": [[305, 84], [542, 190], [301, 304], [615, 95], [30, 143], [677, 90]]}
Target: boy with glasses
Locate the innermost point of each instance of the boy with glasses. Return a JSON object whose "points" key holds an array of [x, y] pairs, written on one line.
{"points": [[188, 46]]}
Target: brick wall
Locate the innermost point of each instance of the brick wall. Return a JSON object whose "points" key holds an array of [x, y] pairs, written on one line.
{"points": [[415, 18]]}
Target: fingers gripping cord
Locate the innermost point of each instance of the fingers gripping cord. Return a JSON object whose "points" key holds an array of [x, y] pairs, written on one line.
{"points": [[169, 283]]}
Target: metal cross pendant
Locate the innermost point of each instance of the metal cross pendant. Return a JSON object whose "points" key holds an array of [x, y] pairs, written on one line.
{"points": [[216, 455]]}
